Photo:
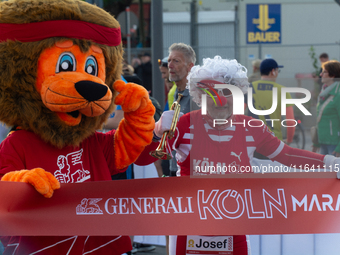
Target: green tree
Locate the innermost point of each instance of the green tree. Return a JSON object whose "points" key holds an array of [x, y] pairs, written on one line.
{"points": [[316, 74], [314, 61]]}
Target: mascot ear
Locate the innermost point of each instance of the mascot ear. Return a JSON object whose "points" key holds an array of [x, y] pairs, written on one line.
{"points": [[96, 49], [64, 44]]}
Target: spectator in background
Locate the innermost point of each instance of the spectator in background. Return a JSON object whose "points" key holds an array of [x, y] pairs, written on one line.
{"points": [[3, 132], [328, 110], [181, 59], [144, 71], [256, 75], [169, 85], [323, 58], [262, 100], [163, 68], [170, 91], [317, 77], [136, 61], [128, 69]]}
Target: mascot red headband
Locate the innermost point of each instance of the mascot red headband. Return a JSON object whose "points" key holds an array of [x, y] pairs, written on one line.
{"points": [[32, 32]]}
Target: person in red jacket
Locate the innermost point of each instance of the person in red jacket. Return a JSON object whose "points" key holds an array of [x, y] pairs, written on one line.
{"points": [[205, 147]]}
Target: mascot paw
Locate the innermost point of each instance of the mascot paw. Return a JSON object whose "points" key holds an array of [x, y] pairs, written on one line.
{"points": [[44, 182], [135, 131], [131, 96]]}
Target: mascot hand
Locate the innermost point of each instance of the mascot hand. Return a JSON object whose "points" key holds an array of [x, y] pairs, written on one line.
{"points": [[44, 182], [135, 131], [165, 122]]}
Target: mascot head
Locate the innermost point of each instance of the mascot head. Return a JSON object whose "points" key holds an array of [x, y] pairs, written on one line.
{"points": [[59, 60]]}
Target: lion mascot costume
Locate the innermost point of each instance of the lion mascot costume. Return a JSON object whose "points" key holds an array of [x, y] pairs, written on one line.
{"points": [[60, 65]]}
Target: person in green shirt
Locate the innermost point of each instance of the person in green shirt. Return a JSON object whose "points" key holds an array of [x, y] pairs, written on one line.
{"points": [[328, 110]]}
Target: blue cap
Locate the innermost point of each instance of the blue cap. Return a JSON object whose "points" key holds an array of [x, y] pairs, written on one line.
{"points": [[268, 64]]}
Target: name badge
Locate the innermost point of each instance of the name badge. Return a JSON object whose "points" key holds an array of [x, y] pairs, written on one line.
{"points": [[209, 245]]}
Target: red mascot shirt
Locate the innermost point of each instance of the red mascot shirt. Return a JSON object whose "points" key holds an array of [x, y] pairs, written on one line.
{"points": [[92, 160]]}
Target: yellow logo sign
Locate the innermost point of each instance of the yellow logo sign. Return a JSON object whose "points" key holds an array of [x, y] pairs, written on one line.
{"points": [[263, 21], [259, 15]]}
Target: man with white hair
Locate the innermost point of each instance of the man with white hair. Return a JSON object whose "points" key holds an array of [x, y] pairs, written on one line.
{"points": [[201, 142], [181, 59]]}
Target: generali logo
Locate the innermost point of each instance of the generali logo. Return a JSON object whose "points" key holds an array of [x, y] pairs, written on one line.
{"points": [[89, 206]]}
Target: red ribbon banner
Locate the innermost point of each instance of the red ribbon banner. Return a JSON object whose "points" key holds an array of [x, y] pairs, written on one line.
{"points": [[183, 206]]}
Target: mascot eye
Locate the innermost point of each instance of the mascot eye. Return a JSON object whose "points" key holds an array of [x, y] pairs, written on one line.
{"points": [[91, 66], [66, 63]]}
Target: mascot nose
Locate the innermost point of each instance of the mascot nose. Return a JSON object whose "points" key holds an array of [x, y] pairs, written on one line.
{"points": [[90, 90]]}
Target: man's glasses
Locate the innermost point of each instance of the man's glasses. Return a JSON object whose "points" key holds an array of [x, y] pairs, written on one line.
{"points": [[212, 91], [160, 63]]}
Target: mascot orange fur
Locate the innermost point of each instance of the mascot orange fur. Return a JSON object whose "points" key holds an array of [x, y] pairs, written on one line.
{"points": [[59, 75]]}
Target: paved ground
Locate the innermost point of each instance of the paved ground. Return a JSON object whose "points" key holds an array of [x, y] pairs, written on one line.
{"points": [[160, 250]]}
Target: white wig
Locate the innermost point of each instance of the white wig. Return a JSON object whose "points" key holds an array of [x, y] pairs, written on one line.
{"points": [[218, 69]]}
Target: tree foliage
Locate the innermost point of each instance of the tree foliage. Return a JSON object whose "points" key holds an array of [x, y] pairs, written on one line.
{"points": [[314, 60]]}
